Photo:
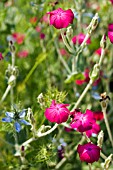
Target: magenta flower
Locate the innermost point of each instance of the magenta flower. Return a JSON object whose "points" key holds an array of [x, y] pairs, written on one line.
{"points": [[80, 38], [18, 37], [60, 18], [94, 131], [42, 36], [111, 1], [86, 78], [1, 57], [83, 122], [57, 113], [98, 51], [23, 54], [110, 36], [98, 115], [89, 152], [110, 27]]}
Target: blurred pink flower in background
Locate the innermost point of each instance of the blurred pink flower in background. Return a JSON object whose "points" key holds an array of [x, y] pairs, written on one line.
{"points": [[89, 152], [1, 57], [57, 112], [63, 52], [38, 28], [111, 1], [60, 18], [33, 20], [18, 37], [98, 51], [42, 35], [23, 54], [80, 38]]}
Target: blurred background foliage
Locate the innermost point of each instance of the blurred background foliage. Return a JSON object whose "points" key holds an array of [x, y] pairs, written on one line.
{"points": [[41, 71]]}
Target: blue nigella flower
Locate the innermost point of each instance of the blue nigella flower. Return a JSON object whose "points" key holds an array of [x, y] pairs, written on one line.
{"points": [[17, 118]]}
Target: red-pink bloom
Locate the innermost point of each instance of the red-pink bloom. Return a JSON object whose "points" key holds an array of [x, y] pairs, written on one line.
{"points": [[67, 129], [94, 131], [83, 122], [98, 115], [18, 37], [33, 20], [110, 36], [23, 54], [98, 51], [80, 38], [38, 29], [1, 57], [110, 27], [63, 52], [89, 152], [86, 78], [45, 19], [111, 1], [60, 18], [57, 113], [42, 35]]}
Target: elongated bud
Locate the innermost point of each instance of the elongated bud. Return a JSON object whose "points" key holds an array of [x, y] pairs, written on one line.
{"points": [[100, 139], [94, 74], [12, 80], [107, 162], [11, 46], [69, 33], [103, 42], [40, 100]]}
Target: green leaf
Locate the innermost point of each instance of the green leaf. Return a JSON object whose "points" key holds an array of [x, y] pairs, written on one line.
{"points": [[74, 76]]}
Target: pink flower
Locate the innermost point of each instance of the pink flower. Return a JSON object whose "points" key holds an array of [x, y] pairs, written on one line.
{"points": [[57, 112], [23, 54], [1, 57], [45, 19], [86, 78], [42, 35], [98, 51], [80, 38], [98, 115], [111, 1], [63, 52], [18, 37], [110, 36], [89, 152], [110, 27], [94, 131], [60, 18], [38, 28], [33, 20], [83, 122]]}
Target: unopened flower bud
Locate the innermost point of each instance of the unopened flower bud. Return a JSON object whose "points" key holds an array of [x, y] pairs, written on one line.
{"points": [[107, 162], [100, 139], [95, 72], [103, 42], [69, 33], [95, 21], [40, 100], [12, 80], [11, 46]]}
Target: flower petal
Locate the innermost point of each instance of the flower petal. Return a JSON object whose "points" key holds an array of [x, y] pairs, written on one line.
{"points": [[17, 126], [6, 119], [9, 114], [22, 114], [25, 122]]}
